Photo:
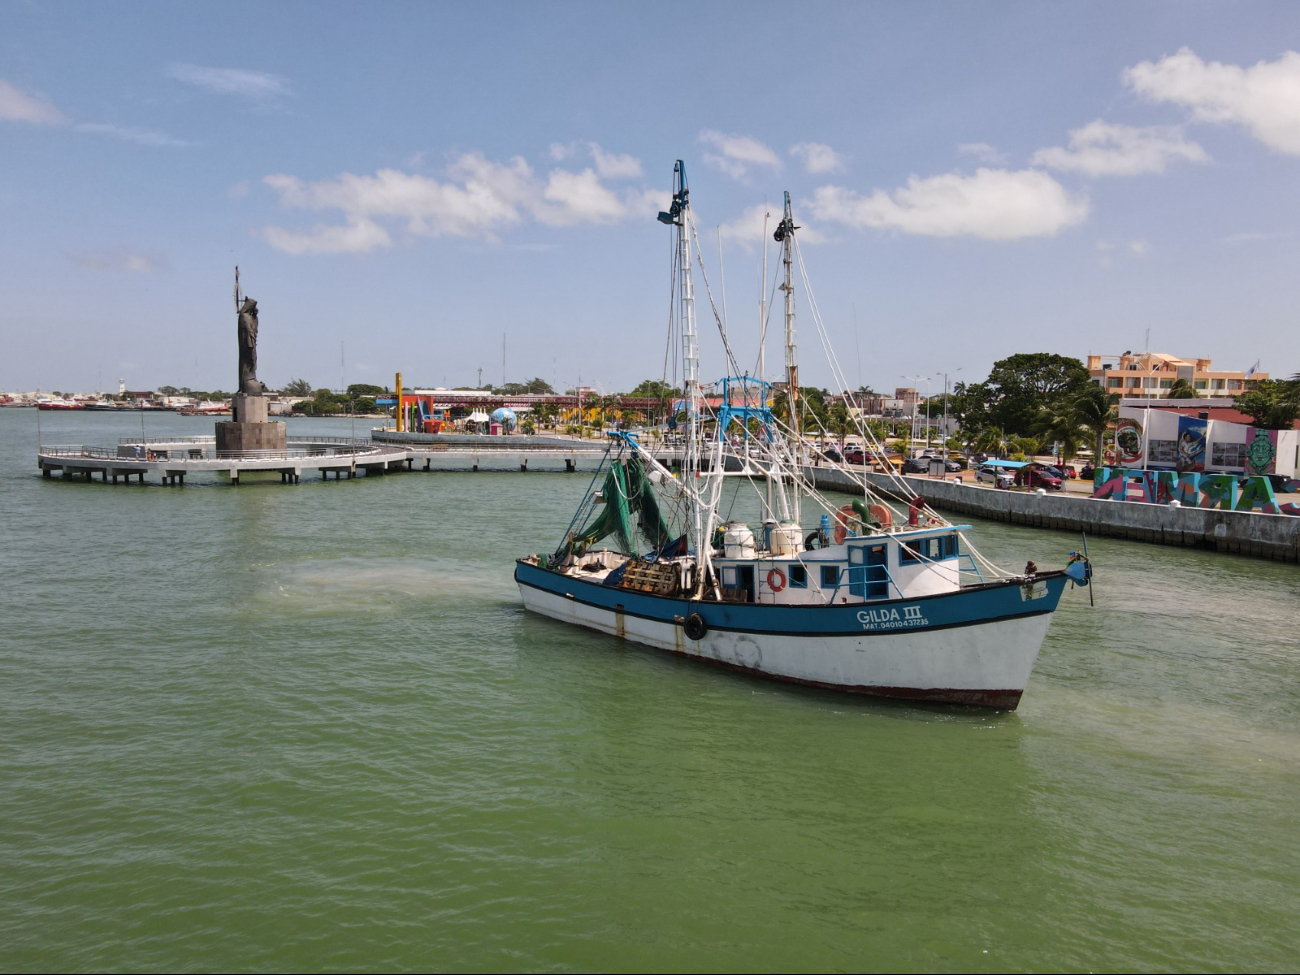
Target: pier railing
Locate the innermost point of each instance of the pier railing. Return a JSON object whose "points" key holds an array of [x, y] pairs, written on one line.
{"points": [[187, 454]]}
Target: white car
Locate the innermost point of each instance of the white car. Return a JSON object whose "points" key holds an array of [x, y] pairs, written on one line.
{"points": [[997, 476]]}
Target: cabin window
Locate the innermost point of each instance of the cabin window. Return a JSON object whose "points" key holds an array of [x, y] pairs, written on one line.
{"points": [[728, 577], [948, 547], [798, 577], [914, 551], [830, 576]]}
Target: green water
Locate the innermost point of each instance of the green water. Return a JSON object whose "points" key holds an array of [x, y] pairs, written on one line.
{"points": [[308, 727]]}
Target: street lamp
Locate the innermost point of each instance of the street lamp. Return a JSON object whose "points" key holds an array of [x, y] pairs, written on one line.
{"points": [[918, 379], [945, 413]]}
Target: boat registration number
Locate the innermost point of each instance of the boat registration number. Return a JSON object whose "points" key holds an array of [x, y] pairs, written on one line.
{"points": [[892, 618]]}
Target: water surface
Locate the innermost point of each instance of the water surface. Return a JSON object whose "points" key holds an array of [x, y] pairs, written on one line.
{"points": [[308, 727]]}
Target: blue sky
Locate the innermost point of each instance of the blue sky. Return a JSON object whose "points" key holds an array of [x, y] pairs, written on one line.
{"points": [[404, 184]]}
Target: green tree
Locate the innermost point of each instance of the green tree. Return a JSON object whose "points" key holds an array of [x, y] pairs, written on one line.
{"points": [[357, 390], [654, 388], [1182, 389], [1271, 403], [296, 387], [1095, 414], [1020, 386]]}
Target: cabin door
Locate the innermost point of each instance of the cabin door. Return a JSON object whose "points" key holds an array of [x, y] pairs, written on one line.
{"points": [[747, 581], [868, 571]]}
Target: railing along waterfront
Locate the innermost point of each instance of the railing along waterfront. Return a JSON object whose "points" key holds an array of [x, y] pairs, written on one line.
{"points": [[325, 449]]}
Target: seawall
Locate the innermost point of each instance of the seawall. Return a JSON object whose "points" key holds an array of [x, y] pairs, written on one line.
{"points": [[1274, 537]]}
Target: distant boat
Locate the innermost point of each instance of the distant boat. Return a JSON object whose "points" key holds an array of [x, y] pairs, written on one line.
{"points": [[206, 408]]}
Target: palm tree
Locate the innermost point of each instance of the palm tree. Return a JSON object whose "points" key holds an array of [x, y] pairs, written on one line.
{"points": [[1181, 389], [1095, 415], [991, 441]]}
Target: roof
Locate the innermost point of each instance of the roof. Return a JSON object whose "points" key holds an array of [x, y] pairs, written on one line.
{"points": [[1011, 464]]}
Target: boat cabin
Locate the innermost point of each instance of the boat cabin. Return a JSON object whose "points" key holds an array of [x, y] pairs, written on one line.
{"points": [[861, 569]]}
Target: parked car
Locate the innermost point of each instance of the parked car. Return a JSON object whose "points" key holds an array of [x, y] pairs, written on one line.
{"points": [[914, 465], [1037, 475], [1087, 472], [1070, 471], [832, 454], [997, 476], [855, 455]]}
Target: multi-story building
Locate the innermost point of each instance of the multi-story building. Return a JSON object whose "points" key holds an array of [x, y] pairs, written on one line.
{"points": [[1150, 375]]}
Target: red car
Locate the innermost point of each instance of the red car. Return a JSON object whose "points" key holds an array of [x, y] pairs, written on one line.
{"points": [[1036, 477]]}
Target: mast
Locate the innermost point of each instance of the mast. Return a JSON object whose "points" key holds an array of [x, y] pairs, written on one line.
{"points": [[678, 216], [785, 237]]}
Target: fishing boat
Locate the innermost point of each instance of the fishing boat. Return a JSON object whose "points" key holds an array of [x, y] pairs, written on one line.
{"points": [[878, 595]]}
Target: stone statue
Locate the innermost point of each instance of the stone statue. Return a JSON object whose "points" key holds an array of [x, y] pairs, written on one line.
{"points": [[248, 349]]}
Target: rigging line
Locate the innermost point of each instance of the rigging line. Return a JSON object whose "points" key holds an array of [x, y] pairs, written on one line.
{"points": [[672, 305], [771, 298], [722, 328], [837, 372]]}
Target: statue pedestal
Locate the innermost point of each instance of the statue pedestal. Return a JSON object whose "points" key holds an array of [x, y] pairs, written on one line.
{"points": [[250, 429]]}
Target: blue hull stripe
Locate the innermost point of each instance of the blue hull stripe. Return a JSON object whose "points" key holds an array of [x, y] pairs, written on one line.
{"points": [[967, 607]]}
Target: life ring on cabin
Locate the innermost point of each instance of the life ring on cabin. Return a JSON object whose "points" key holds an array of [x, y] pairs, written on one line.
{"points": [[842, 518], [880, 514], [695, 627], [775, 580]]}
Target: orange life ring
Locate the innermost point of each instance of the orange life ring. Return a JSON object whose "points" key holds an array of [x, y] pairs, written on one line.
{"points": [[775, 580], [881, 514], [842, 518]]}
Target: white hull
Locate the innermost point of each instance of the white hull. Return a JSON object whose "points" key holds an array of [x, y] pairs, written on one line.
{"points": [[980, 663]]}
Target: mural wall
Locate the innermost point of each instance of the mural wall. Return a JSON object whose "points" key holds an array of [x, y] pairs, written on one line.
{"points": [[1194, 489]]}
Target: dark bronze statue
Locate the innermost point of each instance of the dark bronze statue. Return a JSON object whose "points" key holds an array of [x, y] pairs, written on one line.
{"points": [[248, 349]]}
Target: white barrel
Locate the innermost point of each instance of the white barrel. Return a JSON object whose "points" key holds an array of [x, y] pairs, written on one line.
{"points": [[787, 538], [738, 541]]}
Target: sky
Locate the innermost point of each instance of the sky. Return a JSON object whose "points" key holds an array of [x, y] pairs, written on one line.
{"points": [[443, 188]]}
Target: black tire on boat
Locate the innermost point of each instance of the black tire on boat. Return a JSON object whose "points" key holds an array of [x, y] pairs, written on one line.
{"points": [[696, 627], [812, 541]]}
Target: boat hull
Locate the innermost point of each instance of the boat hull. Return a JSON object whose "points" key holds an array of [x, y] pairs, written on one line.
{"points": [[975, 646]]}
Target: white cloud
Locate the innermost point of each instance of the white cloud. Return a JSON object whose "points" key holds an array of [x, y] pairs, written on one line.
{"points": [[1265, 98], [611, 165], [1106, 149], [257, 86], [1135, 248], [758, 223], [1251, 238], [478, 198], [994, 204], [817, 158], [573, 198], [984, 152], [131, 133], [17, 105], [356, 237], [736, 155], [115, 259]]}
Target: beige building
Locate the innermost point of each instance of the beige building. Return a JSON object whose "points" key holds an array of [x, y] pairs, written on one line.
{"points": [[1150, 375]]}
